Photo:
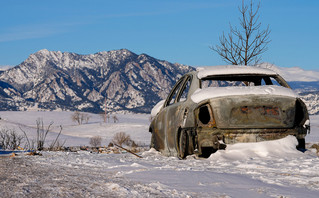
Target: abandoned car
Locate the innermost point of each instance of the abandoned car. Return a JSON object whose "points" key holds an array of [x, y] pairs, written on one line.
{"points": [[215, 106]]}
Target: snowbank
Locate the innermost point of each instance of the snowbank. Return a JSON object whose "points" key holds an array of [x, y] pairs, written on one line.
{"points": [[276, 148]]}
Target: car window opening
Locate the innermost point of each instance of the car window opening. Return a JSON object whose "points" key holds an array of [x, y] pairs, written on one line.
{"points": [[240, 80], [185, 90]]}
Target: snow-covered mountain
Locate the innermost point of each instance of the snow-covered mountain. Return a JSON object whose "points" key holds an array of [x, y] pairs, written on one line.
{"points": [[118, 80]]}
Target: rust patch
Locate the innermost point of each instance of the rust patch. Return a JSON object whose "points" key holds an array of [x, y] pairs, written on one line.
{"points": [[263, 110]]}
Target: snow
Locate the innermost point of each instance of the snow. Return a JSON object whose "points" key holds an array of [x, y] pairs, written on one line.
{"points": [[214, 92], [78, 135], [264, 169], [5, 67], [231, 69], [157, 108]]}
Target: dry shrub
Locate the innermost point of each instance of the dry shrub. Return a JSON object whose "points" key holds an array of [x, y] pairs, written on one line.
{"points": [[122, 138], [42, 133], [316, 146], [110, 145], [9, 139], [96, 141], [57, 145]]}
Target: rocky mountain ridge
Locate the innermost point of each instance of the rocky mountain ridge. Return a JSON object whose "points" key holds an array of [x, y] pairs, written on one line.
{"points": [[118, 80], [311, 99]]}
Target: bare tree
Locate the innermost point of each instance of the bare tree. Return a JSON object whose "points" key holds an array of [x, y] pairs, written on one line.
{"points": [[96, 141], [105, 117], [115, 119], [80, 117], [76, 117], [244, 45]]}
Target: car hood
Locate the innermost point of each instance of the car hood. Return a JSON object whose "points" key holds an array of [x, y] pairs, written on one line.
{"points": [[215, 92]]}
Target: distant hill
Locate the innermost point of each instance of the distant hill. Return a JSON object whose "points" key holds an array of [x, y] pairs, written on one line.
{"points": [[302, 86]]}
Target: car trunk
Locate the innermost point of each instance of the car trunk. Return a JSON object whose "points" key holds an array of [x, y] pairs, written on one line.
{"points": [[254, 112]]}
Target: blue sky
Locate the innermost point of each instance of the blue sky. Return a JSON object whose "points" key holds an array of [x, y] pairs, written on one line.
{"points": [[176, 31]]}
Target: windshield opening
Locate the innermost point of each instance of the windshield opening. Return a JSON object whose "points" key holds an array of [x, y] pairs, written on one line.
{"points": [[240, 80]]}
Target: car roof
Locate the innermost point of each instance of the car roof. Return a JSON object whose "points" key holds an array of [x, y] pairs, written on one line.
{"points": [[203, 72]]}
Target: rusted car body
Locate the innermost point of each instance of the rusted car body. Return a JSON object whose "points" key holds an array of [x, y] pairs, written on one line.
{"points": [[215, 106]]}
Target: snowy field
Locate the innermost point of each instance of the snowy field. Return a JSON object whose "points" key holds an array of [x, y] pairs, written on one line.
{"points": [[265, 169], [135, 125]]}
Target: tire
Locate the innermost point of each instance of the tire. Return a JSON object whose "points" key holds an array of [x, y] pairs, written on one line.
{"points": [[152, 141], [183, 144], [301, 144]]}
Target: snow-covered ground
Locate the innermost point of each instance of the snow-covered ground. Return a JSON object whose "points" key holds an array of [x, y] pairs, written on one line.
{"points": [[264, 169], [135, 125]]}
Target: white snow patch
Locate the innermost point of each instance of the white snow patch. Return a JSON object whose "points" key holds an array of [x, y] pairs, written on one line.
{"points": [[214, 92], [157, 108], [231, 69], [5, 67], [273, 148]]}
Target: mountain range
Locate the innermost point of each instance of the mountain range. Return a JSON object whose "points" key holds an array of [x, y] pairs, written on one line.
{"points": [[118, 80], [113, 81]]}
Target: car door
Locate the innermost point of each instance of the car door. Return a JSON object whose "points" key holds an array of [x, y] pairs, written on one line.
{"points": [[163, 119], [175, 111]]}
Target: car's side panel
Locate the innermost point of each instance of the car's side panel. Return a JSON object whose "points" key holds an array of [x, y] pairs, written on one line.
{"points": [[173, 116], [159, 132], [163, 125]]}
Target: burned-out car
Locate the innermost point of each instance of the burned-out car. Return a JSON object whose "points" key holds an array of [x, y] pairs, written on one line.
{"points": [[215, 106]]}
